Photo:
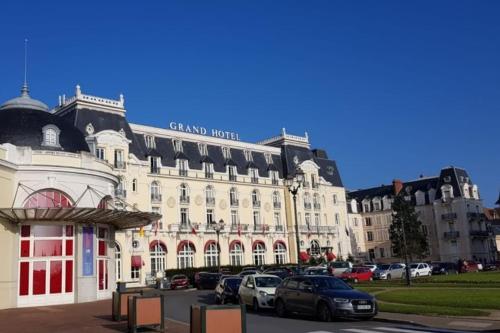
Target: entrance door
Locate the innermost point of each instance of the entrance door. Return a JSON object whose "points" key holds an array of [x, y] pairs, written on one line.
{"points": [[103, 263]]}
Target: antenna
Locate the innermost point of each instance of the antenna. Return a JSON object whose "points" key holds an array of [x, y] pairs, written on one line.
{"points": [[25, 90]]}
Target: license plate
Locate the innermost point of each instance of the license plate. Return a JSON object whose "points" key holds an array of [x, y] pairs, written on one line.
{"points": [[364, 307]]}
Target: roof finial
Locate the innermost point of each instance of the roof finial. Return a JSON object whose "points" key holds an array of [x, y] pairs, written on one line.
{"points": [[24, 90]]}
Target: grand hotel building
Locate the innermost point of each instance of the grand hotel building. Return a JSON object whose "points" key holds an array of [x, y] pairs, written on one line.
{"points": [[190, 179]]}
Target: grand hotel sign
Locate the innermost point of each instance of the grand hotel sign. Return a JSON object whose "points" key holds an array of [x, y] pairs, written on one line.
{"points": [[217, 133]]}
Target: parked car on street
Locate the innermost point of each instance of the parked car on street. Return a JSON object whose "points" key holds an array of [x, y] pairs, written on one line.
{"points": [[318, 270], [258, 290], [282, 272], [372, 267], [336, 268], [444, 268], [179, 281], [469, 266], [390, 271], [325, 297], [227, 290], [357, 274], [207, 280], [247, 272], [420, 269]]}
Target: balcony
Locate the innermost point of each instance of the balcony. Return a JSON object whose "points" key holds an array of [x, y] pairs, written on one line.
{"points": [[183, 172], [449, 217], [234, 228], [234, 202], [317, 206], [451, 235], [155, 197], [232, 178], [307, 205], [480, 233], [260, 228], [120, 165], [209, 175], [254, 180], [277, 205], [279, 228], [154, 170], [210, 201], [475, 216], [256, 204], [120, 193], [184, 199]]}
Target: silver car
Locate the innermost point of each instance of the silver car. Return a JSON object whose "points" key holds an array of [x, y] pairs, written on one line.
{"points": [[390, 271]]}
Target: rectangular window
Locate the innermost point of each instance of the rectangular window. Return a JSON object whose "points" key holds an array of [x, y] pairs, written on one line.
{"points": [[256, 217], [55, 277], [274, 177], [25, 248], [376, 206], [307, 217], [159, 222], [39, 277], [232, 172], [119, 160], [277, 218], [368, 221], [369, 236], [226, 152], [334, 199], [69, 276], [382, 252], [234, 217], [150, 141], [355, 221], [24, 277], [337, 218], [100, 153], [317, 221], [47, 231], [135, 273], [202, 147], [210, 216], [47, 248], [366, 207], [183, 167], [154, 164], [177, 146], [184, 216], [248, 155]]}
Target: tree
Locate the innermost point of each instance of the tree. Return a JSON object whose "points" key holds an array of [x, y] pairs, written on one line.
{"points": [[404, 215]]}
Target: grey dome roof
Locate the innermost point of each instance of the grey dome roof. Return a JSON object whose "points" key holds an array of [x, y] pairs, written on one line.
{"points": [[24, 102]]}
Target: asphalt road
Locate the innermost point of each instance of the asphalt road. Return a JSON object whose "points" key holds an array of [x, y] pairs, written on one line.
{"points": [[178, 304]]}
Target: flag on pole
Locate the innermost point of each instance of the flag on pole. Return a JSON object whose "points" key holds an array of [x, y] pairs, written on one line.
{"points": [[193, 230]]}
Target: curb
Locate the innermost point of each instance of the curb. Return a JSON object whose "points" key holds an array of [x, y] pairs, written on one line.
{"points": [[398, 321]]}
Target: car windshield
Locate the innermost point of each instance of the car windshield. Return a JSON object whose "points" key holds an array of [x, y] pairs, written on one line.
{"points": [[413, 265], [232, 283], [179, 277], [384, 267], [267, 281], [330, 283]]}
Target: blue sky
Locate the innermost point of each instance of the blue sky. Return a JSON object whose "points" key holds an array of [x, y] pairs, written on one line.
{"points": [[390, 89]]}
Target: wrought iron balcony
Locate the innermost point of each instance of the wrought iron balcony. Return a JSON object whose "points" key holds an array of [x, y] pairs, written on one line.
{"points": [[449, 216], [120, 165], [184, 199], [232, 178], [239, 227], [451, 235], [234, 202], [183, 172], [209, 175], [307, 205], [480, 233], [260, 228], [210, 201], [317, 206], [254, 180], [277, 204], [279, 228], [155, 197], [155, 170], [256, 204]]}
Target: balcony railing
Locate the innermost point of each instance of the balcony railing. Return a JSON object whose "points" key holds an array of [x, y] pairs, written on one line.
{"points": [[254, 180], [260, 228], [184, 199], [209, 175], [256, 204], [317, 206], [472, 216], [234, 203], [155, 170], [183, 227], [183, 172], [450, 235], [232, 178], [279, 228], [155, 197], [307, 205], [210, 201], [120, 165], [317, 229], [480, 233], [449, 216], [277, 205], [241, 227], [120, 192]]}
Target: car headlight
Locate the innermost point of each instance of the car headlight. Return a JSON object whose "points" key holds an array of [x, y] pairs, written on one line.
{"points": [[341, 300], [262, 293]]}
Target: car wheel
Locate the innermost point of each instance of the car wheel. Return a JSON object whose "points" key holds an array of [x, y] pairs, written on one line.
{"points": [[255, 305], [280, 308], [324, 313]]}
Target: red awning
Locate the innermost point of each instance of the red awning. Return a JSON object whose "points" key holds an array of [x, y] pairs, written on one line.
{"points": [[303, 256], [330, 256], [136, 262]]}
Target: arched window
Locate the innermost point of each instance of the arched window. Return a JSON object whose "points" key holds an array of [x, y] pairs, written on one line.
{"points": [[155, 191], [259, 254], [50, 136], [118, 262], [158, 256], [184, 193], [48, 199], [233, 196], [210, 195], [279, 253], [255, 198], [185, 255], [316, 201], [236, 254], [211, 254], [276, 200], [315, 248], [307, 201]]}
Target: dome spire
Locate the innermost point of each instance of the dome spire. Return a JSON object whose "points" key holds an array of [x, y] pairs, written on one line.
{"points": [[25, 90]]}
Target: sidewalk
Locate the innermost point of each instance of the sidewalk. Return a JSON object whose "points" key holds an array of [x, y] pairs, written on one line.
{"points": [[93, 317], [475, 324]]}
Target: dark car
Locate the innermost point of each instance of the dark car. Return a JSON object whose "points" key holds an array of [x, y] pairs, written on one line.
{"points": [[227, 290], [444, 268], [316, 271], [179, 281], [208, 280], [281, 272], [324, 297], [247, 272]]}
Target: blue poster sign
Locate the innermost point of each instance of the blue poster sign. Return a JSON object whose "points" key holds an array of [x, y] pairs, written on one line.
{"points": [[88, 251]]}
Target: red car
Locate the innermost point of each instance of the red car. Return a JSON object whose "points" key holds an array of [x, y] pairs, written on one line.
{"points": [[470, 266], [179, 282], [357, 274]]}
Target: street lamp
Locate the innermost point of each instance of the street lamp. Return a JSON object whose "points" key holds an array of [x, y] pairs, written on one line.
{"points": [[293, 183], [218, 227]]}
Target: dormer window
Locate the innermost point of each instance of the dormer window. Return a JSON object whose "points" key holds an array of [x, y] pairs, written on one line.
{"points": [[209, 170], [177, 146], [202, 147], [51, 136], [254, 175], [226, 152], [248, 155], [269, 158], [150, 141]]}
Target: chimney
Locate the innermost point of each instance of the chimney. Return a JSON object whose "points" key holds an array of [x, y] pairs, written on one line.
{"points": [[397, 186]]}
